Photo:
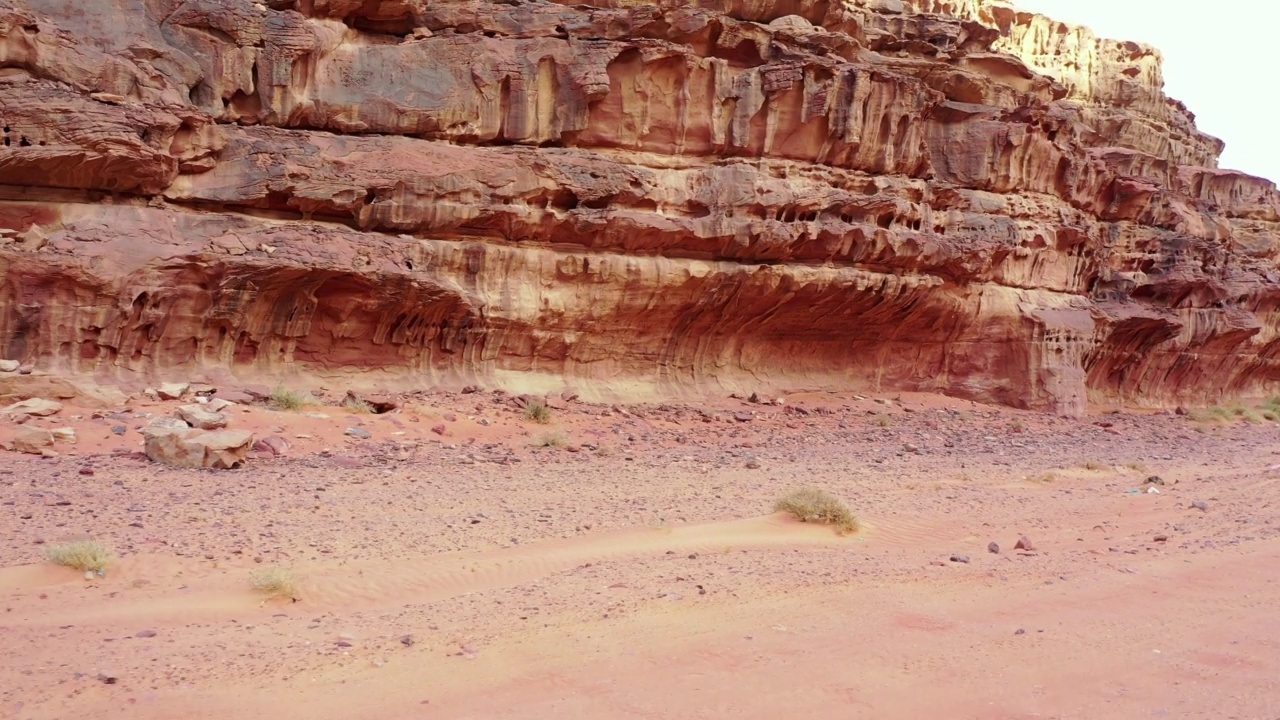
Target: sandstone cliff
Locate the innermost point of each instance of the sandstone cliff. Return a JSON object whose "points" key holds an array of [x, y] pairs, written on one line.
{"points": [[622, 197]]}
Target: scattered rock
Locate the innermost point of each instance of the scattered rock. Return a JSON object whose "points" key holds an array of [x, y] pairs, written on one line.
{"points": [[960, 559], [743, 417], [358, 433], [273, 445], [1020, 631], [1200, 505], [32, 440], [9, 366], [407, 640], [119, 429], [1024, 543], [911, 448], [752, 463], [198, 416], [1161, 538], [87, 472], [172, 391], [222, 450], [167, 423], [993, 548], [1154, 480], [146, 634], [108, 678], [217, 405], [439, 429], [37, 407]]}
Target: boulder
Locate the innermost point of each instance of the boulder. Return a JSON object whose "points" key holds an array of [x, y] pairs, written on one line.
{"points": [[9, 366], [64, 435], [198, 416], [38, 407], [32, 440], [273, 445], [193, 448], [172, 391], [378, 404]]}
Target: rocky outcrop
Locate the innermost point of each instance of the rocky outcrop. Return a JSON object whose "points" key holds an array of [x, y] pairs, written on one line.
{"points": [[622, 197]]}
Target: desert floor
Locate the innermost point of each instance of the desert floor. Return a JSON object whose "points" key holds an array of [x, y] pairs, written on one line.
{"points": [[634, 569]]}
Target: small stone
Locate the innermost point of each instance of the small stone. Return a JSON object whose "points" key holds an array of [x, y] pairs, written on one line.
{"points": [[108, 678], [343, 644], [1161, 538], [1155, 480], [146, 634], [1024, 543], [9, 366], [752, 463], [960, 559], [359, 433], [272, 445], [86, 471], [993, 548], [119, 429], [1200, 505], [744, 417], [407, 640], [439, 429], [911, 448], [1020, 631]]}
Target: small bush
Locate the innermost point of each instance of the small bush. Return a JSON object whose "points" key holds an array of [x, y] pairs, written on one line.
{"points": [[884, 420], [818, 506], [552, 439], [357, 406], [282, 398], [1094, 465], [276, 582], [87, 555], [1043, 478], [537, 411]]}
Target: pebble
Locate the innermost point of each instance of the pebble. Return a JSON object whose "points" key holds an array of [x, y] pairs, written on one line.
{"points": [[960, 559], [1024, 543], [359, 433], [1200, 505], [146, 634], [993, 548]]}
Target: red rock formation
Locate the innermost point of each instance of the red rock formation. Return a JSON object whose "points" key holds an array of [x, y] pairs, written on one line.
{"points": [[622, 196]]}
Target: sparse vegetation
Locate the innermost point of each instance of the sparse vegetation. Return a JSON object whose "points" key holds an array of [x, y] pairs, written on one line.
{"points": [[1095, 465], [884, 420], [86, 555], [537, 411], [282, 398], [552, 439], [276, 582], [819, 506], [1017, 426], [357, 406], [1042, 478], [1136, 466]]}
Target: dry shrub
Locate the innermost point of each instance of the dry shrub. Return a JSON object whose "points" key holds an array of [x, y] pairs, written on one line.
{"points": [[276, 582], [87, 555], [818, 506]]}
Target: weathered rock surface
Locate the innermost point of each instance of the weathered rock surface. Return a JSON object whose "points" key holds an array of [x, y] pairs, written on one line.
{"points": [[193, 448], [939, 195]]}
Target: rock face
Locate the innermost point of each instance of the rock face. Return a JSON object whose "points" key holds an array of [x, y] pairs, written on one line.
{"points": [[938, 195]]}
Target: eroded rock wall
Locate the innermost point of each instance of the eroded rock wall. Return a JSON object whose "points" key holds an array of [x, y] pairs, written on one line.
{"points": [[622, 197]]}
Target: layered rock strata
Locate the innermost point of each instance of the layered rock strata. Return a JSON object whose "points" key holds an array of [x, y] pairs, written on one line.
{"points": [[622, 197]]}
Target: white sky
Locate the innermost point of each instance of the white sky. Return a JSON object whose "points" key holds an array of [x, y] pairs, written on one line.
{"points": [[1219, 60]]}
